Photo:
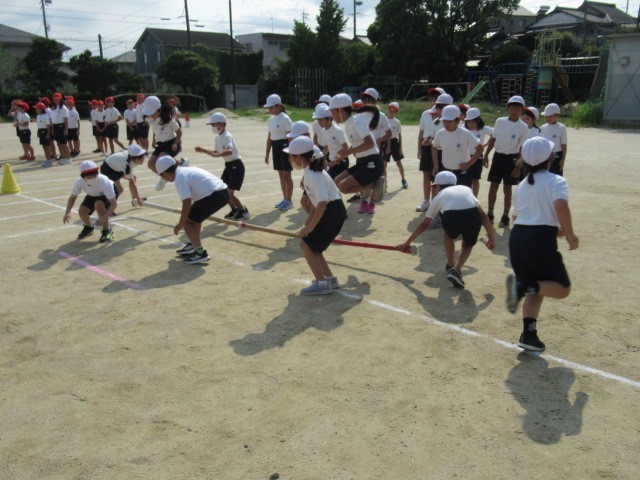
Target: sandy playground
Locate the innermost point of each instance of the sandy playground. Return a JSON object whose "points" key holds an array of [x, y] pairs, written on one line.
{"points": [[119, 361]]}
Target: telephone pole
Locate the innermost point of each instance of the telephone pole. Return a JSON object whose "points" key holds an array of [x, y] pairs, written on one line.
{"points": [[186, 13], [44, 18]]}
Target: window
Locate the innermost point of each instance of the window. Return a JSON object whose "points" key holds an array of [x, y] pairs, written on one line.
{"points": [[283, 45], [144, 55], [272, 43]]}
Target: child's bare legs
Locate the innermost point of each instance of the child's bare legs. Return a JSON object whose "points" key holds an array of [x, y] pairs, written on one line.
{"points": [[507, 199], [85, 216], [111, 145], [449, 248], [152, 163], [426, 185], [286, 184], [76, 146], [475, 187], [64, 150], [101, 209], [192, 229], [547, 288], [493, 194], [400, 168], [120, 144], [347, 184], [233, 200], [316, 262]]}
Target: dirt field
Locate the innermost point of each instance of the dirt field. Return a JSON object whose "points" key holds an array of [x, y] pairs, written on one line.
{"points": [[119, 361]]}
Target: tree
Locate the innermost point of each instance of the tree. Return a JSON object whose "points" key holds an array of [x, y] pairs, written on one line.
{"points": [[359, 60], [302, 46], [190, 71], [331, 23], [95, 76], [509, 52], [43, 64], [128, 82]]}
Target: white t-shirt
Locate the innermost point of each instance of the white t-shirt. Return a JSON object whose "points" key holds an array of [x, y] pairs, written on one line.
{"points": [[480, 134], [320, 187], [59, 114], [279, 125], [118, 162], [74, 118], [533, 132], [433, 128], [333, 138], [130, 116], [43, 120], [425, 121], [99, 115], [317, 130], [555, 132], [456, 197], [224, 141], [164, 132], [382, 128], [455, 146], [94, 187], [509, 135], [22, 117], [196, 183], [139, 115], [356, 129], [533, 204], [111, 114], [396, 127]]}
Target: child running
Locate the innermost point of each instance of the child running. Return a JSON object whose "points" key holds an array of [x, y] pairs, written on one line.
{"points": [[325, 218], [540, 214], [461, 214], [395, 144], [279, 125], [475, 124], [233, 174], [556, 132]]}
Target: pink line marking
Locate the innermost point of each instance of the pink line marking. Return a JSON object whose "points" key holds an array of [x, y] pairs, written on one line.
{"points": [[101, 272]]}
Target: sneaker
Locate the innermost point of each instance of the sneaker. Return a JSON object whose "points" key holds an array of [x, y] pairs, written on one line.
{"points": [[356, 198], [364, 207], [241, 214], [455, 277], [107, 236], [134, 202], [86, 231], [530, 341], [184, 162], [47, 163], [423, 206], [490, 215], [160, 185], [447, 267], [513, 295], [97, 150], [65, 161], [436, 222], [187, 249], [405, 185], [333, 281], [198, 257], [286, 205], [504, 222], [279, 204], [372, 208], [232, 213], [74, 154], [104, 154], [317, 288]]}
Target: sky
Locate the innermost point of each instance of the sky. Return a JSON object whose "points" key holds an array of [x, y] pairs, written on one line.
{"points": [[121, 22]]}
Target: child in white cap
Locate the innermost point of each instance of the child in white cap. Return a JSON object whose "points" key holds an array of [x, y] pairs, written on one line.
{"points": [[233, 174], [202, 195], [475, 124], [325, 217], [101, 197], [301, 128], [120, 165], [461, 215], [530, 116], [279, 124], [540, 214], [556, 132], [395, 144]]}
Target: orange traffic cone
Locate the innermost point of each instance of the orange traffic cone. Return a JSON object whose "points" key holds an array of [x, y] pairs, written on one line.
{"points": [[9, 184], [187, 120]]}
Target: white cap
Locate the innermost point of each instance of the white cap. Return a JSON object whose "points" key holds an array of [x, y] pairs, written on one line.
{"points": [[533, 110], [445, 99], [551, 109], [163, 163], [341, 100], [473, 113], [372, 92], [516, 99], [322, 111], [536, 150], [273, 100], [298, 128], [450, 112], [151, 105], [394, 106], [299, 145], [324, 98], [136, 150], [88, 166], [445, 178], [217, 118]]}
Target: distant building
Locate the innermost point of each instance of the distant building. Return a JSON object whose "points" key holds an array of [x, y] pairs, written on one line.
{"points": [[125, 62], [273, 45], [17, 42], [517, 21], [621, 102]]}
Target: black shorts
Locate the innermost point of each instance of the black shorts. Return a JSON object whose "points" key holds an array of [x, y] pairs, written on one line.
{"points": [[112, 174], [395, 151], [42, 136], [72, 134], [112, 131], [233, 174], [426, 161], [90, 202], [555, 164], [501, 168], [462, 177], [164, 148], [25, 136], [338, 168], [367, 169], [462, 222], [328, 227], [476, 168], [280, 159], [102, 133], [534, 255], [142, 129], [132, 132], [207, 206], [94, 131], [58, 134]]}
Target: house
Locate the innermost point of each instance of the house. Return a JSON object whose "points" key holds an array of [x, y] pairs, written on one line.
{"points": [[273, 45], [126, 62], [17, 42], [155, 44], [517, 21]]}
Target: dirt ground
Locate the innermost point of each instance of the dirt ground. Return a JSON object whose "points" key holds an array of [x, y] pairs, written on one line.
{"points": [[119, 361]]}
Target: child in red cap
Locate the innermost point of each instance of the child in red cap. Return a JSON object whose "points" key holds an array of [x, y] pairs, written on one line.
{"points": [[24, 130]]}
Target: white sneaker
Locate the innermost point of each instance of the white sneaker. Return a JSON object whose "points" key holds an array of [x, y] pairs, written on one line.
{"points": [[160, 185], [317, 288], [423, 207], [65, 161], [184, 162]]}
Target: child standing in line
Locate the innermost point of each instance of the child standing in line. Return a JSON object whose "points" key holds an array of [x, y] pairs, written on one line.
{"points": [[101, 128], [142, 127], [323, 101], [509, 133], [120, 165], [233, 174], [44, 133], [73, 137], [325, 217], [24, 130], [47, 110], [131, 122], [461, 214], [279, 125], [556, 132], [540, 215], [93, 104], [475, 124], [202, 195], [395, 144], [101, 197], [424, 151], [60, 121], [111, 118], [334, 140], [529, 117]]}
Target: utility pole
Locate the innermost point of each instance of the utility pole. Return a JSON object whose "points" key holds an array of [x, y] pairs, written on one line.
{"points": [[355, 4], [100, 45], [44, 19], [186, 13], [233, 61], [304, 17]]}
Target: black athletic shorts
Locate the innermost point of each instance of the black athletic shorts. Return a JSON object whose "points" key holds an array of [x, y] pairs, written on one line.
{"points": [[426, 161], [207, 206], [42, 136], [476, 168], [233, 174], [533, 250], [501, 168], [280, 159], [367, 169], [100, 126], [94, 131], [395, 151], [164, 148], [328, 227], [132, 132], [90, 202], [462, 177], [338, 168], [25, 136], [462, 222], [72, 134], [58, 133], [112, 174], [112, 131], [142, 130], [555, 164]]}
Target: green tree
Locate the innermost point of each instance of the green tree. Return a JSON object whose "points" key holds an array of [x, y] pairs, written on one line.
{"points": [[43, 65], [359, 60], [509, 52], [95, 76], [190, 71], [302, 46], [331, 23], [128, 82]]}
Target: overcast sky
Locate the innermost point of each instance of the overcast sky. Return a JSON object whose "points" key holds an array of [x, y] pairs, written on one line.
{"points": [[77, 24]]}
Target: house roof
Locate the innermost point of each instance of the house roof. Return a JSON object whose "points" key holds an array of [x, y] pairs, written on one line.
{"points": [[15, 36], [522, 12], [563, 17], [126, 57], [610, 10], [179, 37]]}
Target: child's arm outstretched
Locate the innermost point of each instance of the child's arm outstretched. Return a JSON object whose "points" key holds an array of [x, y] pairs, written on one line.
{"points": [[486, 223], [416, 233]]}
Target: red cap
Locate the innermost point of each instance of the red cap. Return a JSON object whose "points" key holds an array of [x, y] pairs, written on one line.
{"points": [[57, 95], [140, 95], [172, 102], [45, 100], [23, 105], [40, 105], [109, 99], [71, 102], [93, 102], [69, 97], [129, 100], [357, 104], [464, 107], [100, 103]]}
